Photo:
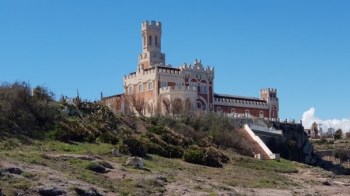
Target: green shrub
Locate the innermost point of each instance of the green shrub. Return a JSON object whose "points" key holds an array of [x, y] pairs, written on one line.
{"points": [[205, 156], [10, 144], [135, 146], [108, 137], [194, 155], [171, 147], [341, 154], [156, 129], [96, 167]]}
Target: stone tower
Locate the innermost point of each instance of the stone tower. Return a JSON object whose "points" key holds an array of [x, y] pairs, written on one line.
{"points": [[270, 96], [151, 45]]}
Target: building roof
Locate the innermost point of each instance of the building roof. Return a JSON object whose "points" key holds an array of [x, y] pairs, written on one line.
{"points": [[112, 96], [217, 95]]}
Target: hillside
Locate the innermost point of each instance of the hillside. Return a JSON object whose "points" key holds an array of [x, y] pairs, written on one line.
{"points": [[30, 167], [50, 147]]}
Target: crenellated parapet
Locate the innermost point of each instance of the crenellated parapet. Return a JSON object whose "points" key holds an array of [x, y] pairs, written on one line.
{"points": [[130, 76], [151, 25], [169, 70], [268, 90]]}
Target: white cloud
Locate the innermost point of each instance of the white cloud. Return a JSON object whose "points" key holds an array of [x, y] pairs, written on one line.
{"points": [[309, 118]]}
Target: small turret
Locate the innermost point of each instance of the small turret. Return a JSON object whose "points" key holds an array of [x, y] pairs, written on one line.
{"points": [[270, 96]]}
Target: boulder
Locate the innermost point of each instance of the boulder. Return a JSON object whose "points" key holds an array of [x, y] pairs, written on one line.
{"points": [[96, 167], [135, 161], [50, 191], [87, 192], [115, 152], [308, 159], [308, 148], [13, 170]]}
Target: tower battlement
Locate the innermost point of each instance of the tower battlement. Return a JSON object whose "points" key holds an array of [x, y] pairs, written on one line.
{"points": [[151, 25], [268, 90]]}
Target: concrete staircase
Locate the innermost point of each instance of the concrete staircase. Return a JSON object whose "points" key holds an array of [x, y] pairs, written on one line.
{"points": [[260, 150]]}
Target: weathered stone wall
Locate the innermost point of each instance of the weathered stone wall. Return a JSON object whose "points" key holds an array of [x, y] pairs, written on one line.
{"points": [[294, 144]]}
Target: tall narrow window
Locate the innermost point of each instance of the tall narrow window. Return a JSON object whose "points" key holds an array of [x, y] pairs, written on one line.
{"points": [[150, 85], [144, 40], [131, 90], [150, 40], [261, 114], [140, 88], [156, 40], [247, 114]]}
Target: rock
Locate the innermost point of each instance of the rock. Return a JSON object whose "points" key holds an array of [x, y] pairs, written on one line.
{"points": [[115, 152], [14, 170], [135, 161], [50, 191], [1, 193], [106, 164], [87, 192], [308, 159], [162, 178], [327, 183], [308, 148], [96, 168]]}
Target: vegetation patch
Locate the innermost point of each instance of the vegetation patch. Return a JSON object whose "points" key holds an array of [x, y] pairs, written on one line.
{"points": [[205, 156]]}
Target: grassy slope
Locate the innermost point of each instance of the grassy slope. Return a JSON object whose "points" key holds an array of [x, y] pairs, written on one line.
{"points": [[241, 171]]}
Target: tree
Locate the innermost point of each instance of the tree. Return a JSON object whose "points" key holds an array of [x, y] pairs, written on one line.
{"points": [[167, 104], [177, 107], [314, 128], [138, 102], [338, 134], [347, 135]]}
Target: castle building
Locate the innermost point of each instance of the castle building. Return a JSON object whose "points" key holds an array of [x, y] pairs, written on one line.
{"points": [[156, 87]]}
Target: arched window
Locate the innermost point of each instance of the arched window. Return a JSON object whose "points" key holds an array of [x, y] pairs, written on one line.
{"points": [[140, 88], [233, 111], [150, 86], [144, 40], [131, 89], [150, 40], [261, 114], [156, 41], [204, 89], [218, 109], [199, 105], [247, 114]]}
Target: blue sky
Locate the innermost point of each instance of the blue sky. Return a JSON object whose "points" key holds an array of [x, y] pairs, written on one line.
{"points": [[302, 48]]}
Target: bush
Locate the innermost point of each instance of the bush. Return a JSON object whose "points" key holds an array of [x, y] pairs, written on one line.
{"points": [[155, 145], [96, 167], [108, 137], [341, 154], [10, 144], [23, 113], [135, 146], [205, 156], [194, 155]]}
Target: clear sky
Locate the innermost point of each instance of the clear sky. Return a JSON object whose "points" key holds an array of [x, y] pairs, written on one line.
{"points": [[300, 47]]}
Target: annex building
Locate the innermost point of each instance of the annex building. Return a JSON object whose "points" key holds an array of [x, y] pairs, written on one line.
{"points": [[159, 88]]}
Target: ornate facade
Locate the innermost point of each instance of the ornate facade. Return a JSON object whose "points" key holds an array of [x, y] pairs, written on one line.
{"points": [[156, 87]]}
